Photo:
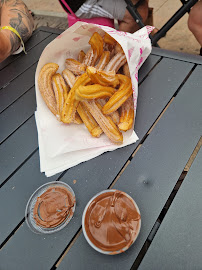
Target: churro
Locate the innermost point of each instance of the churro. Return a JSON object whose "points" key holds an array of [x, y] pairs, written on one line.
{"points": [[90, 58], [109, 48], [126, 70], [45, 85], [70, 105], [114, 115], [95, 51], [127, 115], [92, 126], [77, 120], [93, 91], [118, 48], [120, 96], [69, 77], [81, 56], [75, 66], [60, 90], [106, 124], [109, 39], [105, 78], [96, 42], [104, 60], [116, 62], [109, 44]]}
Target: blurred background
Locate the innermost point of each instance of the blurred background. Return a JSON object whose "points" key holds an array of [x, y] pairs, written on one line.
{"points": [[178, 38]]}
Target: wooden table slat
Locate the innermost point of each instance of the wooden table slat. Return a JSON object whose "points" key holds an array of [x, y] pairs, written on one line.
{"points": [[10, 120], [17, 148], [156, 91], [16, 88], [177, 244], [185, 57], [151, 61]]}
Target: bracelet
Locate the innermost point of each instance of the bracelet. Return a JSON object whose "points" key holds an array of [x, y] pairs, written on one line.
{"points": [[17, 34]]}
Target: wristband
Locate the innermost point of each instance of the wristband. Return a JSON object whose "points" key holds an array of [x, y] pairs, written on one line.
{"points": [[17, 34]]}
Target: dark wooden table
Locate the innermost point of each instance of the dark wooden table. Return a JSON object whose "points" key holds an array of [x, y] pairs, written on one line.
{"points": [[153, 171]]}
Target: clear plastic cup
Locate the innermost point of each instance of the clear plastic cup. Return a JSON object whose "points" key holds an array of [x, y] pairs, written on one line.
{"points": [[86, 235], [29, 216]]}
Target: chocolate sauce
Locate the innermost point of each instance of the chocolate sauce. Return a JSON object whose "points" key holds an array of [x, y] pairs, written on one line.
{"points": [[53, 207], [112, 221]]}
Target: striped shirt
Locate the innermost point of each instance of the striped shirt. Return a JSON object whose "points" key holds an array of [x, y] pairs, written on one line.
{"points": [[92, 8]]}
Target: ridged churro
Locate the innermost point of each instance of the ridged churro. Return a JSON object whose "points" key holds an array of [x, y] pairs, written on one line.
{"points": [[81, 56], [75, 66], [106, 124], [109, 48], [120, 96], [104, 60], [115, 115], [126, 70], [109, 39], [109, 44], [118, 48], [90, 58], [45, 85], [105, 78], [96, 42], [60, 90], [93, 91], [77, 120], [69, 77], [92, 126], [70, 105], [127, 115], [116, 62], [95, 51]]}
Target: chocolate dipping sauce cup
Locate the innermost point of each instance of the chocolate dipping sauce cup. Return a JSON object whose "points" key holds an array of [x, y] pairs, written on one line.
{"points": [[86, 235], [29, 211]]}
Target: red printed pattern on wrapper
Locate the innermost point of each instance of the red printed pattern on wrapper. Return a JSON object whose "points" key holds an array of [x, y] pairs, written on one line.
{"points": [[76, 39]]}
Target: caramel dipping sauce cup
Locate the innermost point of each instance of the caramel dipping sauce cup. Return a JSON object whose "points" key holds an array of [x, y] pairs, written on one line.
{"points": [[29, 216], [85, 233]]}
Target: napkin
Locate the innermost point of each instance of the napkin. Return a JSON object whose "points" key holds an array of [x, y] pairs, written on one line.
{"points": [[62, 146]]}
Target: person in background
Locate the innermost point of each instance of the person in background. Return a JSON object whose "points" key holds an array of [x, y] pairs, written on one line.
{"points": [[195, 22], [14, 14], [113, 9]]}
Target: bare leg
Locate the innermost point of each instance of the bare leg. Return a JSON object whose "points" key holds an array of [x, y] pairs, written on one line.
{"points": [[195, 21], [128, 24]]}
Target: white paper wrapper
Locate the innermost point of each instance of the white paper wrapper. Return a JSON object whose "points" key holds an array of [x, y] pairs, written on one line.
{"points": [[59, 141]]}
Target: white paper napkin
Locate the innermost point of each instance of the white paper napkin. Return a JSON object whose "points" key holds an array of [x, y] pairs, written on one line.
{"points": [[52, 166]]}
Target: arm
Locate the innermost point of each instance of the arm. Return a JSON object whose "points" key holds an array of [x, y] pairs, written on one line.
{"points": [[14, 13]]}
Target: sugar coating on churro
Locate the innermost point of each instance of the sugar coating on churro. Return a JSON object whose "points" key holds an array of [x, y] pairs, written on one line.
{"points": [[45, 85]]}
